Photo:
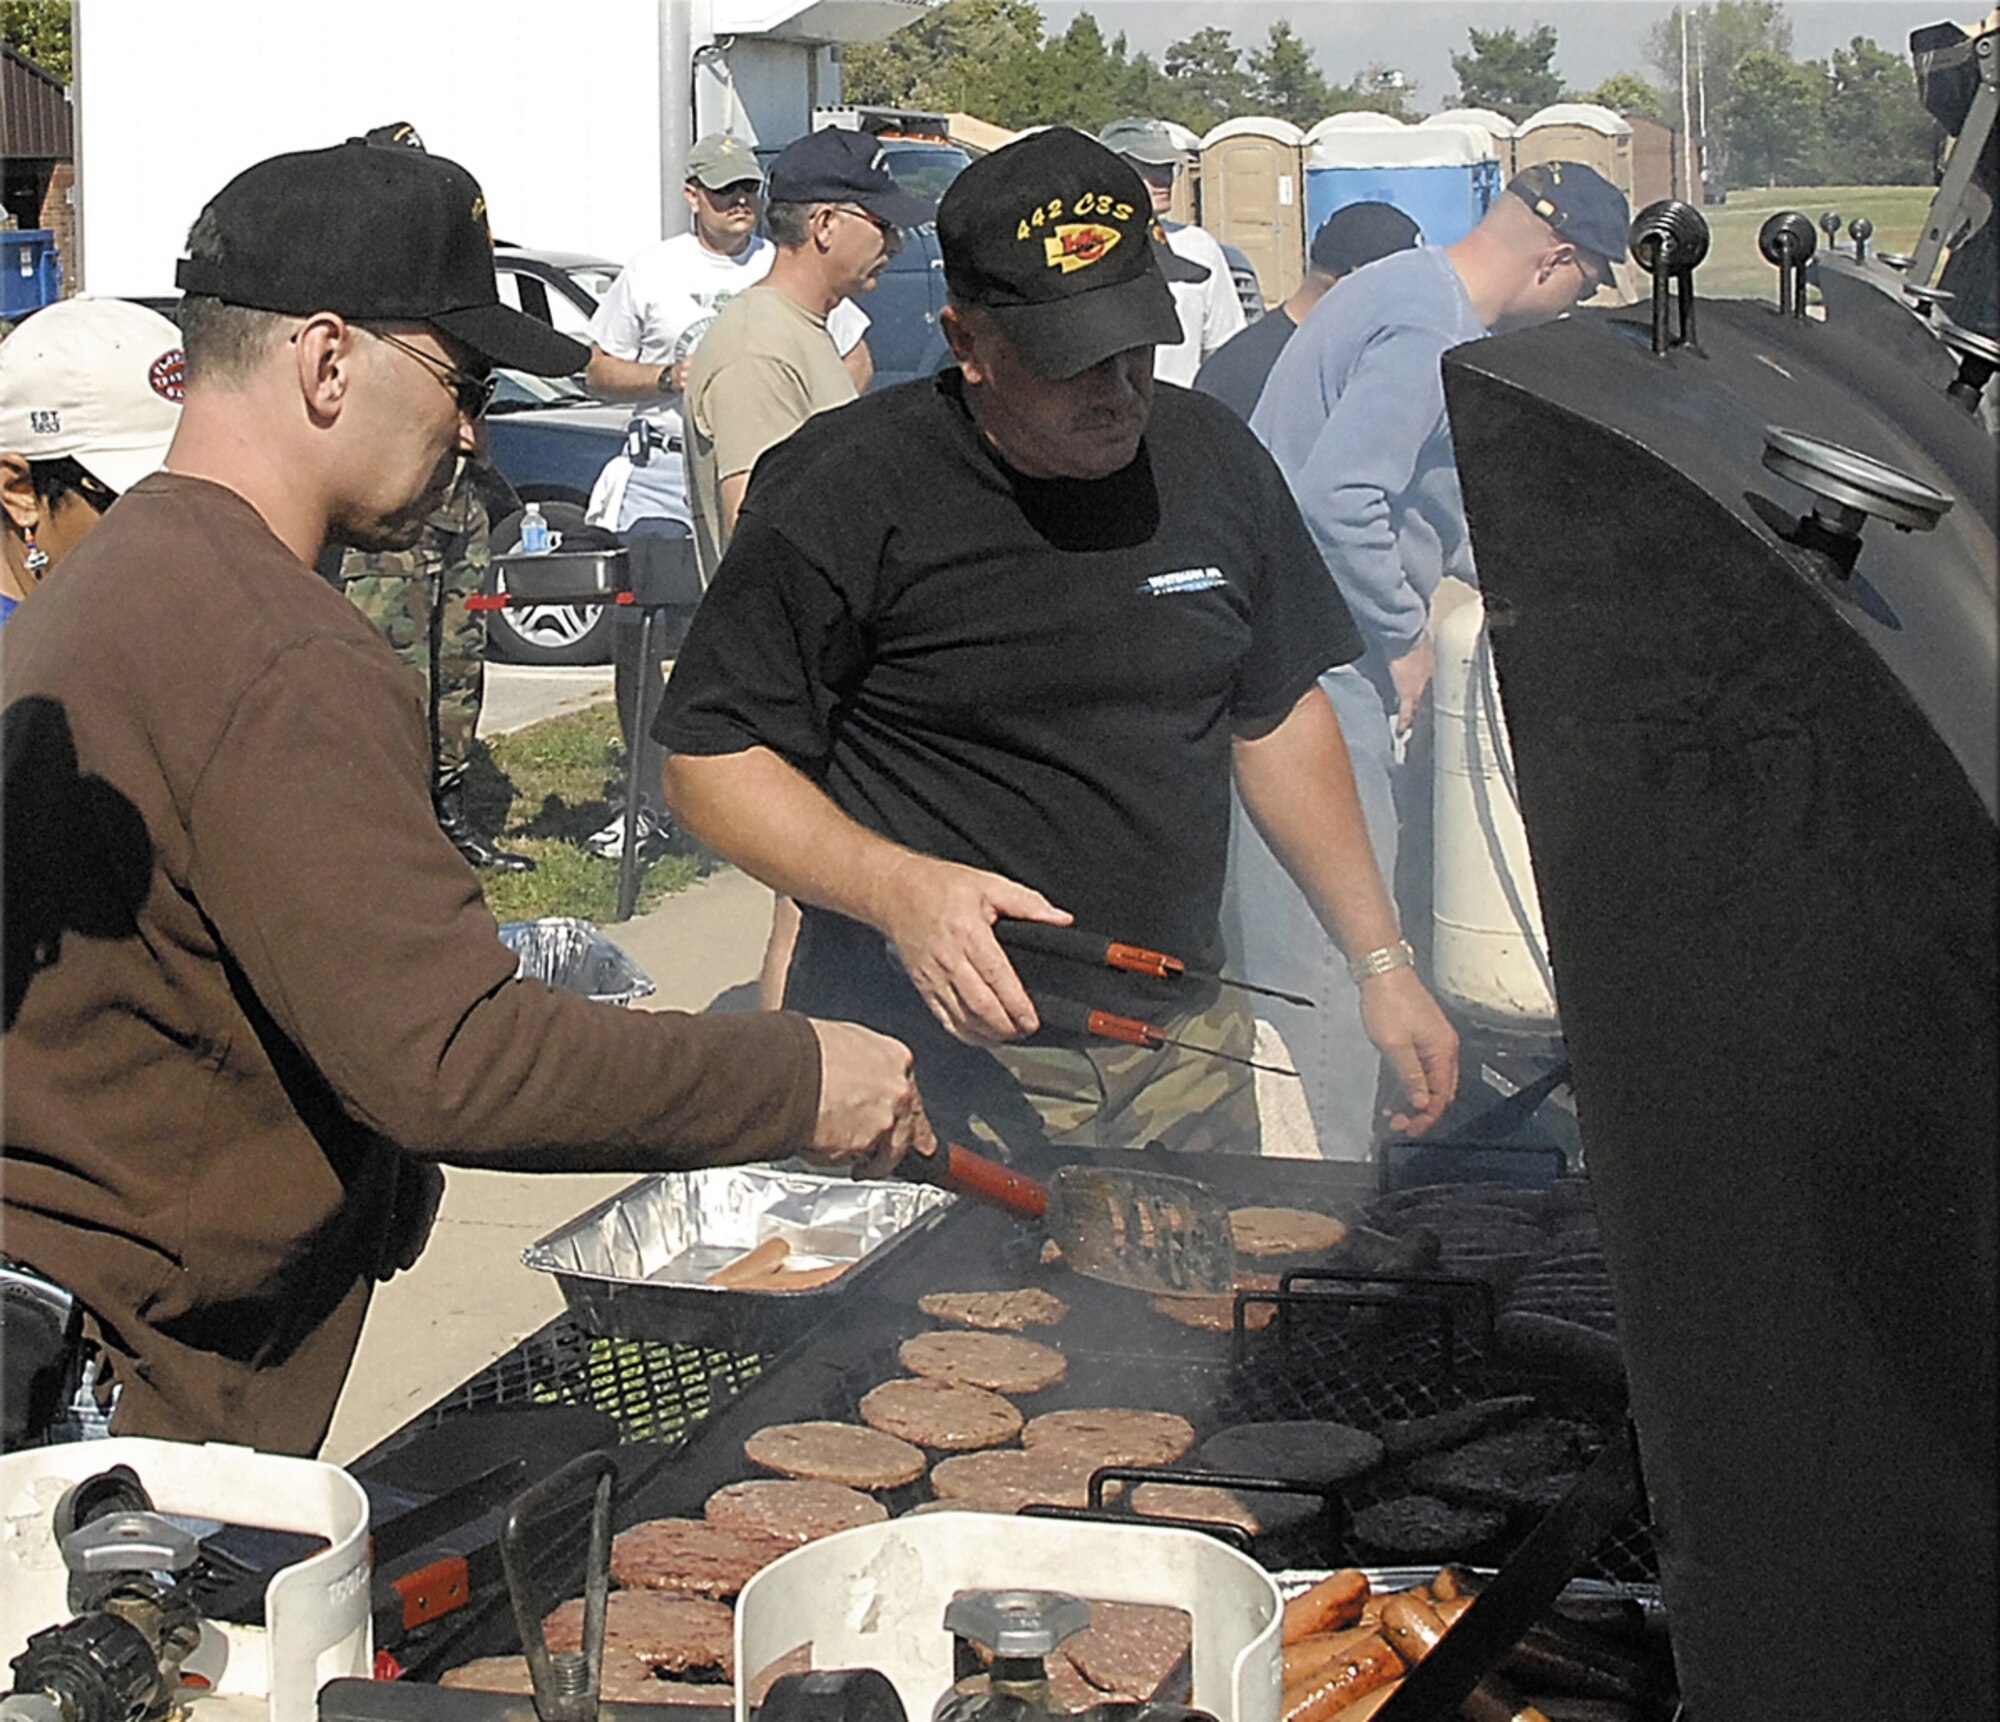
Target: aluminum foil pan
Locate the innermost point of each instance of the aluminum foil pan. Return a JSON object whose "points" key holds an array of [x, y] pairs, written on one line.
{"points": [[1383, 1580], [575, 956], [559, 576], [636, 1266]]}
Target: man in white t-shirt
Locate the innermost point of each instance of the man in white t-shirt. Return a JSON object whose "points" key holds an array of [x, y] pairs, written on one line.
{"points": [[642, 336], [1210, 312]]}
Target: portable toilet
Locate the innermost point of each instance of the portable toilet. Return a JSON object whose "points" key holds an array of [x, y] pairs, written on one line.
{"points": [[1253, 198], [1578, 131], [1444, 178], [1186, 206], [1499, 130]]}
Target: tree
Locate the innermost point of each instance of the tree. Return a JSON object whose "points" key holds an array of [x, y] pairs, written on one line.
{"points": [[939, 60], [39, 29], [1208, 77], [1717, 38], [1776, 116], [1074, 79], [1381, 89], [1509, 71], [1628, 93], [1877, 132], [1288, 84]]}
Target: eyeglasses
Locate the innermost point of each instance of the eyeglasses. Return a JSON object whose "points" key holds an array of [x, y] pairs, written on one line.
{"points": [[886, 228], [473, 394], [94, 491], [742, 191]]}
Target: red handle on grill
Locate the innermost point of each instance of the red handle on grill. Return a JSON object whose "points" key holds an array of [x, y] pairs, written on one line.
{"points": [[970, 1174]]}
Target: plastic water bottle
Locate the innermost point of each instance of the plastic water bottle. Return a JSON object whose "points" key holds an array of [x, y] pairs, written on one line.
{"points": [[534, 531]]}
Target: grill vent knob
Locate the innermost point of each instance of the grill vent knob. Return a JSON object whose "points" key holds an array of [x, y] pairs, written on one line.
{"points": [[1668, 240], [1829, 224], [1978, 359], [1787, 241], [1861, 230]]}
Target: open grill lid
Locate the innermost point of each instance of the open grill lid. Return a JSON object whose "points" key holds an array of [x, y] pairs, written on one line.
{"points": [[1760, 798]]}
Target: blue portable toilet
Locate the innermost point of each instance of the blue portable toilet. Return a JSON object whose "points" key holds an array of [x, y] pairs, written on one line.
{"points": [[30, 271], [1444, 178]]}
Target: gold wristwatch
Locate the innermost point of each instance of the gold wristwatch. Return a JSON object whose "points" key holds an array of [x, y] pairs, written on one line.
{"points": [[1372, 963]]}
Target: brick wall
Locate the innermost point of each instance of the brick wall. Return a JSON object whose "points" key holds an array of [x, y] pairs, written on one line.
{"points": [[59, 217]]}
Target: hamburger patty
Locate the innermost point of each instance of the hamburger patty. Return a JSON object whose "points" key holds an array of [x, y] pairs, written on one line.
{"points": [[1129, 1648], [659, 1630], [997, 1361], [692, 1556], [1010, 1478], [1113, 1436], [836, 1453], [797, 1510], [1218, 1314], [940, 1414], [1308, 1451], [995, 1312], [1425, 1527], [1283, 1231]]}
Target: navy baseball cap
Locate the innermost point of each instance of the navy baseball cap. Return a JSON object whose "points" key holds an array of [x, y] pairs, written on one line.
{"points": [[377, 235], [1358, 233], [1053, 236], [840, 166], [1580, 204]]}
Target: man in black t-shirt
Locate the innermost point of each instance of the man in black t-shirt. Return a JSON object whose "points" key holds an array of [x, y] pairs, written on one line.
{"points": [[989, 645]]}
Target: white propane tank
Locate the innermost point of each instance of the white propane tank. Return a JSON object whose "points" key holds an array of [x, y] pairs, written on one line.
{"points": [[1489, 955]]}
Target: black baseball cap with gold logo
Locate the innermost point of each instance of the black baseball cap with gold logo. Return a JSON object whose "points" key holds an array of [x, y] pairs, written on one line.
{"points": [[378, 235], [1054, 237]]}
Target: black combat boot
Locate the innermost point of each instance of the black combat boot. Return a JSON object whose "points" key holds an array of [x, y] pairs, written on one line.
{"points": [[450, 805]]}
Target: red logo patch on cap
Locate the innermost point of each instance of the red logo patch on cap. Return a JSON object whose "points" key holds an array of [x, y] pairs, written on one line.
{"points": [[1078, 244], [168, 376]]}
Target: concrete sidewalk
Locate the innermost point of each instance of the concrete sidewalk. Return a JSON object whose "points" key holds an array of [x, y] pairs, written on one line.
{"points": [[469, 1300]]}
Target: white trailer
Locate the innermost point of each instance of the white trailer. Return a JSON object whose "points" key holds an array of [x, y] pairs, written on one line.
{"points": [[575, 117]]}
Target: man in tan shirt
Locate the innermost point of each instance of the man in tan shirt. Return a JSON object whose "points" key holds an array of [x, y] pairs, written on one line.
{"points": [[766, 364]]}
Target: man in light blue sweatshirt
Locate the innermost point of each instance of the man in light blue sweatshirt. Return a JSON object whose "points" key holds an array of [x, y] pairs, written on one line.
{"points": [[1354, 413]]}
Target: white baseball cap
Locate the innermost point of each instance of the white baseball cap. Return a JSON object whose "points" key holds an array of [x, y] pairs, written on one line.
{"points": [[98, 380]]}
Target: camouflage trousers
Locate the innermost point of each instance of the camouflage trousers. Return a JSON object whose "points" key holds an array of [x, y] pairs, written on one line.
{"points": [[416, 598], [1109, 1095]]}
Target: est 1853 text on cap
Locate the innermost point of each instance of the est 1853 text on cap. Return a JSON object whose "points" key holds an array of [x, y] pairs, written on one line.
{"points": [[376, 235]]}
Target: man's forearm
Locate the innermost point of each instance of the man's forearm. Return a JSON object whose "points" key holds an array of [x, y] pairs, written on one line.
{"points": [[730, 493], [1298, 787], [768, 818], [616, 379]]}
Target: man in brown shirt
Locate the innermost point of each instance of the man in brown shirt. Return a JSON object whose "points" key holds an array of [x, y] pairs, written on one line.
{"points": [[253, 996]]}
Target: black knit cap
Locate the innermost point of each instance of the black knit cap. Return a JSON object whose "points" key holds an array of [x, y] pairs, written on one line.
{"points": [[1360, 233], [377, 235], [1053, 236]]}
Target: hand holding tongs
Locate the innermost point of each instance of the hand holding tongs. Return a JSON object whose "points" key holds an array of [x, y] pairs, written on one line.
{"points": [[1096, 951]]}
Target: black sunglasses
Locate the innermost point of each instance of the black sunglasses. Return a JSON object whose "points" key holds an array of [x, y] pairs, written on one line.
{"points": [[474, 394]]}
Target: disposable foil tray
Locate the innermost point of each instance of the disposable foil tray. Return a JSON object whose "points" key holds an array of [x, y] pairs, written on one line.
{"points": [[576, 957], [636, 1266]]}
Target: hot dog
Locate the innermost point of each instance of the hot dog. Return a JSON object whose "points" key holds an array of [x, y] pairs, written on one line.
{"points": [[1336, 1601], [1411, 1626], [1311, 1656], [1369, 1666], [1493, 1700], [1363, 1708], [751, 1263]]}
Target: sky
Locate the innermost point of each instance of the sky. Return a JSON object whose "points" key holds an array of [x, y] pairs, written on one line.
{"points": [[1594, 37]]}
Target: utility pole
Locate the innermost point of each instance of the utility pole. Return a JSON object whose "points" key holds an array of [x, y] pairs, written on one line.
{"points": [[1700, 155], [1688, 185]]}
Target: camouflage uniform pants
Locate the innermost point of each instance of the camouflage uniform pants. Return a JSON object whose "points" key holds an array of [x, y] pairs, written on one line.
{"points": [[1110, 1095], [416, 597]]}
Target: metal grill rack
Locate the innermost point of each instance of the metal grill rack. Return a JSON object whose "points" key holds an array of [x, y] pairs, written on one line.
{"points": [[654, 1391]]}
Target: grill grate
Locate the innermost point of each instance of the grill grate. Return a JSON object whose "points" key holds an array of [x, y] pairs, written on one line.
{"points": [[654, 1391]]}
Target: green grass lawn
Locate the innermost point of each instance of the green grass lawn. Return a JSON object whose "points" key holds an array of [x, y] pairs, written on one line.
{"points": [[1735, 269], [544, 789]]}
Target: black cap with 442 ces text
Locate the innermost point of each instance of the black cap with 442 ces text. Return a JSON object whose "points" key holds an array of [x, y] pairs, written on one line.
{"points": [[1054, 237], [377, 235]]}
